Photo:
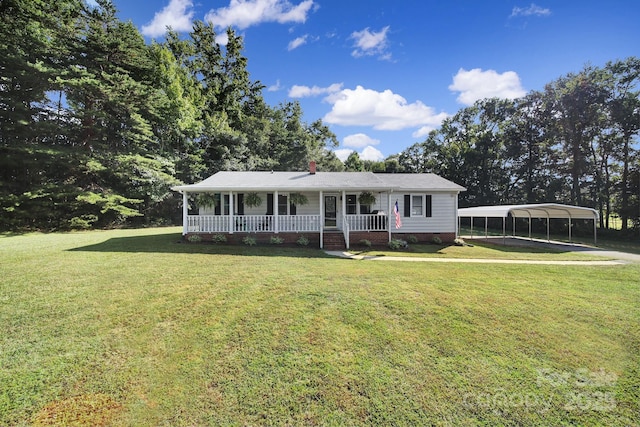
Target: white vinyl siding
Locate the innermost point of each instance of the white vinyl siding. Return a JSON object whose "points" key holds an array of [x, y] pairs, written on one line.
{"points": [[443, 217]]}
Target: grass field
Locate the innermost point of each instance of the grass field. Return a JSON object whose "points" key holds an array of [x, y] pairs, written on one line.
{"points": [[132, 328], [480, 250]]}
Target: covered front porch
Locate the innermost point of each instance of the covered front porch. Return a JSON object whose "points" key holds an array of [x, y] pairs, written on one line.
{"points": [[323, 212]]}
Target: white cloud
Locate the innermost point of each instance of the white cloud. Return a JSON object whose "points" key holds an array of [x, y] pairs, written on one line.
{"points": [[369, 43], [274, 88], [359, 140], [177, 15], [343, 153], [297, 42], [297, 91], [381, 110], [422, 132], [370, 153], [222, 38], [245, 13], [532, 10], [477, 84]]}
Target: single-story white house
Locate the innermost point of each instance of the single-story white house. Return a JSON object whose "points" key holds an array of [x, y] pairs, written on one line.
{"points": [[329, 208]]}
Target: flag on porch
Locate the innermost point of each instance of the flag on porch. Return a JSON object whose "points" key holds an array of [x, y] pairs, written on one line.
{"points": [[396, 211]]}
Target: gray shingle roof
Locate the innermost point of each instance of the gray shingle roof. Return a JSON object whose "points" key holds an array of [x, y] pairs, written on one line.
{"points": [[325, 181]]}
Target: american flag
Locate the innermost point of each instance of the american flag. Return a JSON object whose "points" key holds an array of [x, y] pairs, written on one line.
{"points": [[396, 211]]}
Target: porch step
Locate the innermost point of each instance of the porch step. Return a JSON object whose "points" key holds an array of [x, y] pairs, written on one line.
{"points": [[333, 241]]}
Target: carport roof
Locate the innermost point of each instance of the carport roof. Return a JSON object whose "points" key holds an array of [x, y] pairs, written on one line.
{"points": [[541, 210]]}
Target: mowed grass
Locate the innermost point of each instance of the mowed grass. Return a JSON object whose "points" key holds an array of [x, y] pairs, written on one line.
{"points": [[479, 250], [132, 328]]}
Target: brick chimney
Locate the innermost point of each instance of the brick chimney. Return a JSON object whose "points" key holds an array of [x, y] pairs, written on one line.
{"points": [[312, 168]]}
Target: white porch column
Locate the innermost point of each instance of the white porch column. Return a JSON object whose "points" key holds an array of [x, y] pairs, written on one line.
{"points": [[231, 217], [275, 211], [389, 212], [321, 218], [344, 209], [185, 213]]}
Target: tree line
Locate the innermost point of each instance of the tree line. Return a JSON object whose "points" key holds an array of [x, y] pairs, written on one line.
{"points": [[574, 142], [96, 125]]}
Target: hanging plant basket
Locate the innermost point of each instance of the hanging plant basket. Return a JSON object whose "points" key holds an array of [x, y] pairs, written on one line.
{"points": [[252, 200], [366, 198], [298, 199], [207, 200]]}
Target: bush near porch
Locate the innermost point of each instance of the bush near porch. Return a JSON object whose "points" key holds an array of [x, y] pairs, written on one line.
{"points": [[289, 239]]}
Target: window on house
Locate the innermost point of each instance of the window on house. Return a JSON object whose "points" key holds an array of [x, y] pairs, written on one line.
{"points": [[416, 205], [352, 204], [239, 205], [226, 204], [282, 204], [223, 205], [218, 208]]}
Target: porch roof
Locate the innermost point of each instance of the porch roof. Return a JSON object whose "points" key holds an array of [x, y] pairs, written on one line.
{"points": [[320, 181]]}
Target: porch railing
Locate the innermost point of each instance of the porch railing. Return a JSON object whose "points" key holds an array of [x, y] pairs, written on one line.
{"points": [[297, 223], [285, 223], [252, 223], [345, 230], [370, 222]]}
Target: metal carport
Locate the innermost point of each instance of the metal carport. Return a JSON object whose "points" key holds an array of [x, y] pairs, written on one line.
{"points": [[542, 210]]}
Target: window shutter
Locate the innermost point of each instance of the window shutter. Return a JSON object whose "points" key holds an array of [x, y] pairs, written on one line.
{"points": [[218, 208], [292, 209], [269, 203], [240, 204], [428, 205], [407, 205]]}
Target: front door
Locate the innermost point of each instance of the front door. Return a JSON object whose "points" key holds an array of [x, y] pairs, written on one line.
{"points": [[330, 211]]}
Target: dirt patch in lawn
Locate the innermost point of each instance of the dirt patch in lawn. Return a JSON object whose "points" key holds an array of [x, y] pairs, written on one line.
{"points": [[84, 410]]}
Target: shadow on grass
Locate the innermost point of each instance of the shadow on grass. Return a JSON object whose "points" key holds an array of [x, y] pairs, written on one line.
{"points": [[496, 245], [173, 243], [509, 244]]}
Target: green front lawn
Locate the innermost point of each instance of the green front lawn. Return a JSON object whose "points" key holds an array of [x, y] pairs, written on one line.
{"points": [[132, 328], [480, 250]]}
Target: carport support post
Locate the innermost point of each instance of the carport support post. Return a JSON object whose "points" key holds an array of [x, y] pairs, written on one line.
{"points": [[548, 227], [472, 227], [486, 227], [570, 241], [504, 232], [595, 231]]}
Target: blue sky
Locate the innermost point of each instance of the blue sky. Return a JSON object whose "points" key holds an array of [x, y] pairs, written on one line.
{"points": [[383, 73]]}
